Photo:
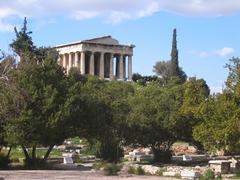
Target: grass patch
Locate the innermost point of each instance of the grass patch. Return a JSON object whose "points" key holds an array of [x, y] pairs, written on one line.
{"points": [[131, 170], [138, 171], [112, 169], [99, 165]]}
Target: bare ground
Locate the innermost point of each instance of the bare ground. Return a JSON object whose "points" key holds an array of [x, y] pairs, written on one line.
{"points": [[69, 175]]}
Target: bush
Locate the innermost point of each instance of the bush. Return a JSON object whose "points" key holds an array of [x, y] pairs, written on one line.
{"points": [[140, 171], [109, 151], [15, 160], [99, 165], [112, 169], [208, 175], [131, 170], [4, 162]]}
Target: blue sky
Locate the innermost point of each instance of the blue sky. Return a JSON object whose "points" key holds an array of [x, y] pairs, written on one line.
{"points": [[208, 31]]}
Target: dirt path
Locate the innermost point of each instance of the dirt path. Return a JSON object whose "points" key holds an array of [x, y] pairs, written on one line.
{"points": [[69, 175]]}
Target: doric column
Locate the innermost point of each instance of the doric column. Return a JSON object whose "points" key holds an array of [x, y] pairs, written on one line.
{"points": [[121, 67], [59, 59], [70, 60], [76, 63], [124, 67], [92, 64], [64, 61], [111, 66], [82, 69], [130, 68], [101, 71]]}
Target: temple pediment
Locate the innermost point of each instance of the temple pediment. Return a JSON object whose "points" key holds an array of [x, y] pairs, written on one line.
{"points": [[103, 40]]}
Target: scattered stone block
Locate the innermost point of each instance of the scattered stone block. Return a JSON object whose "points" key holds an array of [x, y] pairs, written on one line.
{"points": [[187, 158], [170, 173], [67, 160], [235, 165], [220, 166], [140, 158], [150, 169], [188, 174]]}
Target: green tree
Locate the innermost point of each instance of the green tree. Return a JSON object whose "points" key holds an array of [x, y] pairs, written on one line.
{"points": [[43, 119], [44, 87], [152, 120], [195, 92], [23, 42], [220, 113], [116, 95], [174, 71], [220, 127], [11, 99]]}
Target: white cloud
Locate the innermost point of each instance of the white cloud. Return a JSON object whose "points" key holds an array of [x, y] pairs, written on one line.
{"points": [[115, 11], [224, 51], [218, 52], [80, 15]]}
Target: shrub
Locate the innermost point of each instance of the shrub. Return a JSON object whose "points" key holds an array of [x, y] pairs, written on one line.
{"points": [[131, 170], [109, 151], [208, 175], [4, 162], [15, 160], [98, 165], [112, 169], [140, 171]]}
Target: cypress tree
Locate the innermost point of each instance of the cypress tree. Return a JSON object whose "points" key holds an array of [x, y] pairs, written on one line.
{"points": [[174, 56]]}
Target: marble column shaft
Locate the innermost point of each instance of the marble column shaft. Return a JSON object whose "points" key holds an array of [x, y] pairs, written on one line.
{"points": [[111, 67], [101, 72], [82, 64], [64, 61], [70, 60], [76, 63], [130, 67], [121, 67], [92, 63]]}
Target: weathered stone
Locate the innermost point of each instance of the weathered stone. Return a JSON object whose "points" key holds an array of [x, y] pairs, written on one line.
{"points": [[170, 173], [150, 169], [186, 174], [220, 166], [67, 160]]}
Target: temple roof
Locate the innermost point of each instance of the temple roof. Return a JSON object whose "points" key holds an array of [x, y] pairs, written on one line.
{"points": [[104, 40]]}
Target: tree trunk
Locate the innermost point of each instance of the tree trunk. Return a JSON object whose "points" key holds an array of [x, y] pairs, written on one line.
{"points": [[9, 151], [25, 153], [34, 153], [48, 152]]}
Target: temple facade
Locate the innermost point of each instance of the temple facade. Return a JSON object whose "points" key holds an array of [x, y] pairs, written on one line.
{"points": [[103, 57]]}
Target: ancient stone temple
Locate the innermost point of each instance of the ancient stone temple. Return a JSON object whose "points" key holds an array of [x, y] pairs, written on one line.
{"points": [[103, 57]]}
